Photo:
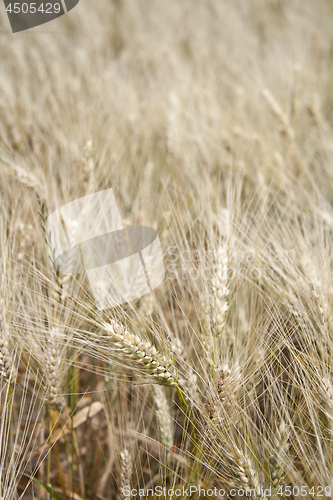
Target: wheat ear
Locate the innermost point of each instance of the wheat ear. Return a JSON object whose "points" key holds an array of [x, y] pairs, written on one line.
{"points": [[25, 178], [220, 288], [43, 216], [126, 469], [164, 418], [282, 117], [53, 371], [7, 369], [143, 354], [277, 458], [247, 472], [88, 170]]}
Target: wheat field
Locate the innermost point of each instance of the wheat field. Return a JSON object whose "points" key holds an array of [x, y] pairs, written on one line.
{"points": [[212, 121]]}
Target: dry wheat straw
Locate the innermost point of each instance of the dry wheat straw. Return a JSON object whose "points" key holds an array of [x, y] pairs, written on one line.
{"points": [[195, 136]]}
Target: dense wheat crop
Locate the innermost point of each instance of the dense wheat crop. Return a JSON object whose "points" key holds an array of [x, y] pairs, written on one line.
{"points": [[212, 121]]}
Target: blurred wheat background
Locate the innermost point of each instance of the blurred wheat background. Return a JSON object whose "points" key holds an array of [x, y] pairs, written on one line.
{"points": [[212, 121]]}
